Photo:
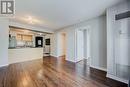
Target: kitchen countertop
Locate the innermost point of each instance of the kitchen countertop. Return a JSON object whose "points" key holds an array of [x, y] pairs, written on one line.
{"points": [[23, 47]]}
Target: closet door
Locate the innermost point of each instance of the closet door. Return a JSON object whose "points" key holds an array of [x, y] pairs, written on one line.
{"points": [[122, 48]]}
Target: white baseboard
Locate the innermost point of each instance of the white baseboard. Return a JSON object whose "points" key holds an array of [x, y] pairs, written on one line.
{"points": [[99, 68], [117, 78], [54, 56], [4, 65], [65, 59], [70, 60]]}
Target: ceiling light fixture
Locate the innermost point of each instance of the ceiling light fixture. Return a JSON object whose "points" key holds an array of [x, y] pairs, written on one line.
{"points": [[30, 19]]}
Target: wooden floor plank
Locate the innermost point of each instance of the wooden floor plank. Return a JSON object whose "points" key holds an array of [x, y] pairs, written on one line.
{"points": [[49, 72]]}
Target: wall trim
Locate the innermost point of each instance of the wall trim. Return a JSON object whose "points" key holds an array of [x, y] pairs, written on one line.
{"points": [[117, 78], [54, 56], [65, 59], [70, 60], [99, 68], [4, 65]]}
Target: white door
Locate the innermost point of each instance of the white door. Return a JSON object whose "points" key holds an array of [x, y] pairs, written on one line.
{"points": [[80, 45], [122, 48]]}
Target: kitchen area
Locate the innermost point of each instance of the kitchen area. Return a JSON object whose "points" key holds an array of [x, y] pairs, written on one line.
{"points": [[26, 45]]}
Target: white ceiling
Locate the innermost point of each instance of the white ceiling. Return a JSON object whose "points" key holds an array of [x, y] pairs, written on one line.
{"points": [[55, 14]]}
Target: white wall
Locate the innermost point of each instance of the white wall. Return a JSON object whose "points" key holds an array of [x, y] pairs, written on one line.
{"points": [[56, 48], [70, 44], [98, 41], [61, 44], [54, 45], [4, 34], [70, 40]]}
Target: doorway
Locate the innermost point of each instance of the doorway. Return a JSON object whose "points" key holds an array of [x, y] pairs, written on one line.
{"points": [[79, 45], [82, 44], [63, 45]]}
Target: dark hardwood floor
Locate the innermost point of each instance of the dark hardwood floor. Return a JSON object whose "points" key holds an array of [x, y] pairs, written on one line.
{"points": [[49, 72]]}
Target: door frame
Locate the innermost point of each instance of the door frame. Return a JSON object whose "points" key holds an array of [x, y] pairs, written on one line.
{"points": [[87, 28]]}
